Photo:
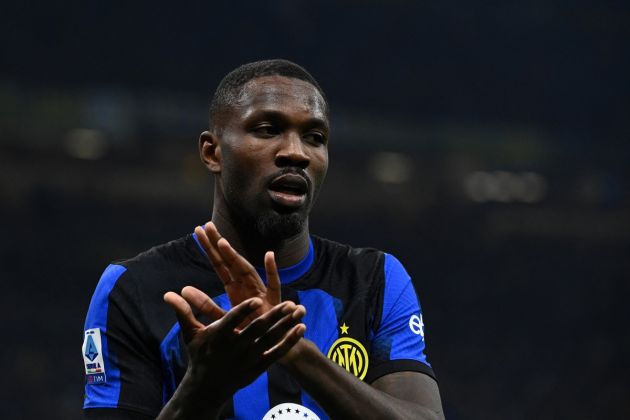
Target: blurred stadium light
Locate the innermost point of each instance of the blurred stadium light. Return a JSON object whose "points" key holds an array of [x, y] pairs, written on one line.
{"points": [[505, 187]]}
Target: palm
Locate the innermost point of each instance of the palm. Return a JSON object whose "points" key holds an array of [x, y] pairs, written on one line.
{"points": [[241, 290]]}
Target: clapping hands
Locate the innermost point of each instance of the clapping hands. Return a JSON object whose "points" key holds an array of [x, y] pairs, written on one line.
{"points": [[243, 342]]}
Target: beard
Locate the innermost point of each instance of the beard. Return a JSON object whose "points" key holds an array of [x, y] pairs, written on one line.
{"points": [[278, 226], [255, 213], [271, 224]]}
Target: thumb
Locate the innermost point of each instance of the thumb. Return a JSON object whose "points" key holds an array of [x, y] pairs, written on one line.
{"points": [[187, 321], [202, 303]]}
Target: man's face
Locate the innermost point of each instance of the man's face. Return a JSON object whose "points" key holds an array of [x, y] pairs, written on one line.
{"points": [[274, 155]]}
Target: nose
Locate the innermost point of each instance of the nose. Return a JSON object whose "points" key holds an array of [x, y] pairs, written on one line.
{"points": [[291, 152]]}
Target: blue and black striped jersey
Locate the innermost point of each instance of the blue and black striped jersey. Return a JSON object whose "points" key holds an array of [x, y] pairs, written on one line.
{"points": [[361, 311]]}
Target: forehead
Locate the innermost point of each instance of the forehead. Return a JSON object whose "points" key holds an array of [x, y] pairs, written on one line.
{"points": [[282, 94]]}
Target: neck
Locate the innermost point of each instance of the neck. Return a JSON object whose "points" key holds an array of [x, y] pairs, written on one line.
{"points": [[253, 246]]}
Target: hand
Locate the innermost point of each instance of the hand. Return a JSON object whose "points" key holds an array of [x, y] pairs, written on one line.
{"points": [[239, 277], [224, 358]]}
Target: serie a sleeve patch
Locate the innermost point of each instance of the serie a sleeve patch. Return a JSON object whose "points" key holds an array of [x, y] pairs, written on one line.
{"points": [[93, 357]]}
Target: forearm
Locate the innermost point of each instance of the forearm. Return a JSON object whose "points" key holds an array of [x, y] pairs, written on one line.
{"points": [[342, 395]]}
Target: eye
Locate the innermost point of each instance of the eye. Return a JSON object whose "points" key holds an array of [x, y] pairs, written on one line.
{"points": [[265, 131], [315, 137]]}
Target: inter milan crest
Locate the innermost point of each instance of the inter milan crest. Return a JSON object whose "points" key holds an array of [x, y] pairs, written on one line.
{"points": [[349, 354], [290, 411]]}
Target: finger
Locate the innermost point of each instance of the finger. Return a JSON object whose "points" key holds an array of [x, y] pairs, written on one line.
{"points": [[260, 326], [290, 339], [187, 321], [236, 263], [235, 316], [274, 334], [212, 232], [202, 303], [213, 236], [273, 279], [206, 242], [209, 245]]}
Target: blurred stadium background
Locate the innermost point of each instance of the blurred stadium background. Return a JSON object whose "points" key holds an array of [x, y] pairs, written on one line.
{"points": [[486, 145]]}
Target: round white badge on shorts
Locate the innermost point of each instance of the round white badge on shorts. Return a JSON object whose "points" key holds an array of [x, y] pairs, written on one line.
{"points": [[290, 411]]}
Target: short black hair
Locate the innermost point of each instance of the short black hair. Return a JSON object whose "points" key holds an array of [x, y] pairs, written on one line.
{"points": [[229, 90]]}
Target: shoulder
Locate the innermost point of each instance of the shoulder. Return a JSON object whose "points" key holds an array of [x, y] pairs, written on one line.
{"points": [[157, 266], [346, 271], [369, 271], [130, 291], [181, 250], [371, 259], [396, 277], [152, 272], [331, 250]]}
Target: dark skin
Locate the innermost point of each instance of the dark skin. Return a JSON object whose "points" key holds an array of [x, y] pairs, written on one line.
{"points": [[279, 125]]}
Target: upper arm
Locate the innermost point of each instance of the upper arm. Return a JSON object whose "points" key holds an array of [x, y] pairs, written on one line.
{"points": [[404, 372], [122, 373], [413, 387], [398, 343]]}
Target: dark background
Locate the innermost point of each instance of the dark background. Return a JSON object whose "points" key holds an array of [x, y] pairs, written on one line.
{"points": [[484, 144]]}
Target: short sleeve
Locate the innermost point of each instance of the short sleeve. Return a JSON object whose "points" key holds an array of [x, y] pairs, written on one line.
{"points": [[398, 342], [121, 369]]}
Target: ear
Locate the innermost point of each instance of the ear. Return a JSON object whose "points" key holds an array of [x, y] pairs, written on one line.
{"points": [[210, 151]]}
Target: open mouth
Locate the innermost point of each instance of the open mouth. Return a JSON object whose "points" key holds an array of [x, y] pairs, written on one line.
{"points": [[289, 190]]}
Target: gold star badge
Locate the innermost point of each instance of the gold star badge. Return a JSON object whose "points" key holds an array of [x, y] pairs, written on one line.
{"points": [[344, 328]]}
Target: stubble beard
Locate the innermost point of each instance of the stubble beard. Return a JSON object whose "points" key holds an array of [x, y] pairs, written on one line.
{"points": [[279, 226], [269, 223], [272, 225]]}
